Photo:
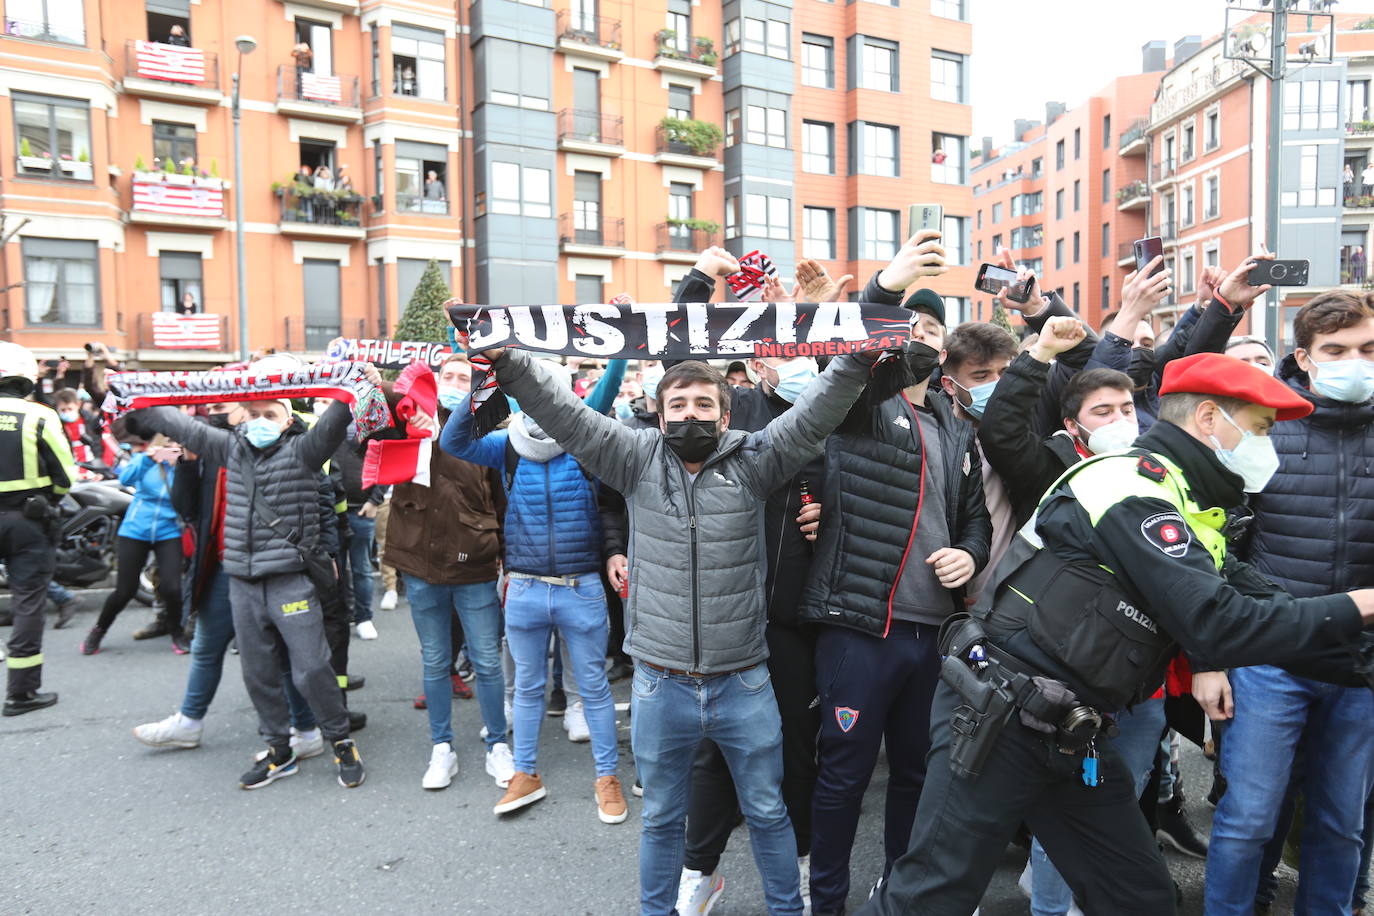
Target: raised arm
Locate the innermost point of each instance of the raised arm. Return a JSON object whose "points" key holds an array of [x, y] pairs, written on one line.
{"points": [[457, 439], [603, 395]]}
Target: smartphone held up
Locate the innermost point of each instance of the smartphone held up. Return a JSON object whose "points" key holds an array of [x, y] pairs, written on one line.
{"points": [[993, 279]]}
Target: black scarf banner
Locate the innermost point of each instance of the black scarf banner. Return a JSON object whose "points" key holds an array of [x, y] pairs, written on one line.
{"points": [[388, 354]]}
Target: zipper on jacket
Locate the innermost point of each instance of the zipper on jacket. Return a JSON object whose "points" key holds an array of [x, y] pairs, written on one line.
{"points": [[1340, 511], [696, 591], [920, 498], [782, 534], [548, 507]]}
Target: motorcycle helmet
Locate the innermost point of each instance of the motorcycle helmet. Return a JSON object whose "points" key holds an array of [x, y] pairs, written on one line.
{"points": [[18, 368]]}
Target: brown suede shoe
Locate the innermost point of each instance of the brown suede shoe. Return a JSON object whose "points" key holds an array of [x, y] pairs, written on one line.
{"points": [[610, 800], [525, 789]]}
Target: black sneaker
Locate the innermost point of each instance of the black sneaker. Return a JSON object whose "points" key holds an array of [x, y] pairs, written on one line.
{"points": [[34, 700], [620, 669], [350, 763], [66, 611], [558, 702], [1176, 830], [277, 763], [357, 721], [354, 681]]}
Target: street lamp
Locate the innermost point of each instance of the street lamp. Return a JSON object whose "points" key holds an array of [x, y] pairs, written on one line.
{"points": [[246, 44]]}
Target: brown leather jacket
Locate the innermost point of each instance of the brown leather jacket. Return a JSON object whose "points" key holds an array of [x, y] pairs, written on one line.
{"points": [[448, 533]]}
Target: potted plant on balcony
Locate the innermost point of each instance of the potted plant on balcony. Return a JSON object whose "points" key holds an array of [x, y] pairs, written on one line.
{"points": [[700, 137], [665, 39], [27, 159], [694, 224], [706, 51], [81, 168]]}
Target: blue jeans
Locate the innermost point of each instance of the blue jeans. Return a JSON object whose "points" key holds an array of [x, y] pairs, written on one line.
{"points": [[57, 594], [432, 607], [533, 609], [670, 714], [360, 564], [1137, 744], [1275, 711]]}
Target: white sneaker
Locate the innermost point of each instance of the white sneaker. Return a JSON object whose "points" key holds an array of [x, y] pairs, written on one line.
{"points": [[575, 723], [366, 630], [389, 600], [697, 893], [174, 731], [307, 744], [501, 764], [804, 871], [443, 766], [1024, 883]]}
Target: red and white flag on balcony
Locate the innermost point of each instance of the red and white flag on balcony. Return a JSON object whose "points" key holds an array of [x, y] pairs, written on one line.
{"points": [[157, 61], [186, 332], [321, 88], [154, 195]]}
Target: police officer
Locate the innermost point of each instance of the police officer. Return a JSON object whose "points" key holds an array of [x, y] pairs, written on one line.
{"points": [[1125, 561], [35, 464]]}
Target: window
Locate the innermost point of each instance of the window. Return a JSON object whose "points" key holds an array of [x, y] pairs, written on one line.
{"points": [[1032, 203], [1076, 239], [61, 282], [515, 74], [758, 36], [1106, 239], [997, 241], [378, 174], [947, 77], [949, 9], [323, 309], [1186, 205], [1037, 167], [1106, 294], [180, 276], [520, 190], [1034, 265], [980, 249], [176, 142], [1211, 254], [765, 126], [1107, 131], [878, 241], [587, 209], [875, 153], [1077, 142], [767, 217], [818, 233], [1211, 130], [679, 24], [947, 158], [375, 49], [732, 127], [955, 240], [818, 147], [997, 212], [1189, 142], [1075, 297], [1357, 101], [1309, 194], [1059, 254], [979, 219], [1059, 204], [422, 177], [679, 102], [818, 61], [46, 20], [1211, 190], [1059, 155], [1025, 237], [417, 57], [1077, 196], [321, 43], [878, 65], [408, 274], [1106, 185], [1186, 272], [588, 288], [1310, 104], [54, 136], [732, 217]]}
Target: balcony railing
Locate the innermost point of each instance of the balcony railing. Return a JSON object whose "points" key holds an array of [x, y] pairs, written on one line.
{"points": [[591, 127], [174, 194], [687, 137], [170, 331], [1360, 128], [1160, 171], [581, 229], [675, 237], [296, 85], [1134, 132], [151, 60], [73, 33], [700, 50], [1359, 202], [419, 203], [1167, 230], [1133, 190], [320, 208], [1125, 251], [582, 28]]}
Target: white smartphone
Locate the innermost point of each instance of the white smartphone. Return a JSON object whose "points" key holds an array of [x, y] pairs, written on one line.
{"points": [[925, 216]]}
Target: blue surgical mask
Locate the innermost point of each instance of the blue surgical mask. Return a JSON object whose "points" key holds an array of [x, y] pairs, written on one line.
{"points": [[980, 395], [261, 432], [1348, 380], [651, 379], [793, 377], [69, 416], [450, 396], [623, 410]]}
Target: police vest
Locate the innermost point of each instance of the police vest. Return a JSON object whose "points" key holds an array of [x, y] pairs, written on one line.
{"points": [[25, 427], [1084, 617]]}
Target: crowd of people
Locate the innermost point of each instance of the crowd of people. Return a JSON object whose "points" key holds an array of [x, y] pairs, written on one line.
{"points": [[1027, 567]]}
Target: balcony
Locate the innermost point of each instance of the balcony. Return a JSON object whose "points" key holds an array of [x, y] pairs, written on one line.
{"points": [[1161, 172], [1125, 254], [161, 71], [680, 242], [317, 95], [1359, 130], [419, 203], [591, 132], [1168, 231], [586, 234], [320, 214], [186, 338], [1133, 196], [1134, 139], [60, 33], [683, 55], [688, 143], [177, 201], [589, 36]]}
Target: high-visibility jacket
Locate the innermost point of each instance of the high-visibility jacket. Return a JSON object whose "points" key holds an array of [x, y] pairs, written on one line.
{"points": [[35, 456]]}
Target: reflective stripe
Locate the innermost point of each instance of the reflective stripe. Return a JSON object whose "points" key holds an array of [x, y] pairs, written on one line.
{"points": [[28, 661], [343, 680]]}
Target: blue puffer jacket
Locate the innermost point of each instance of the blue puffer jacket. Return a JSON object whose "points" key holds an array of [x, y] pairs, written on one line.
{"points": [[552, 527], [1313, 531], [151, 516]]}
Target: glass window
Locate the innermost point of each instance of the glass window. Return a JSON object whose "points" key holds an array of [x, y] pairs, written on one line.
{"points": [[765, 126], [731, 217], [179, 273], [680, 102], [588, 288], [323, 302], [732, 127], [1186, 271], [418, 61], [1106, 185], [949, 9], [61, 282], [176, 142], [1212, 129], [1186, 206], [1106, 239], [1059, 204], [1058, 254], [997, 212], [421, 177], [767, 217], [1189, 146], [947, 158], [818, 233], [1077, 238], [818, 61], [680, 26], [947, 76], [879, 66], [1212, 191], [1309, 194], [955, 240], [878, 145], [879, 239], [818, 147], [1107, 131], [54, 136], [761, 36], [46, 20], [1357, 100], [1059, 155]]}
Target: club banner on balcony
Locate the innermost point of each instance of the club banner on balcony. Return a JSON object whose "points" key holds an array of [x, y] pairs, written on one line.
{"points": [[340, 381], [388, 354]]}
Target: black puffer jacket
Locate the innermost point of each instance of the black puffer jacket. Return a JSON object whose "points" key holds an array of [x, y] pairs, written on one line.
{"points": [[1313, 531], [869, 504]]}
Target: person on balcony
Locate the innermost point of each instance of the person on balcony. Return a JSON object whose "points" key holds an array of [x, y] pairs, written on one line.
{"points": [[1367, 180], [344, 182], [176, 35], [434, 190], [324, 205], [187, 305], [1357, 265], [1348, 182]]}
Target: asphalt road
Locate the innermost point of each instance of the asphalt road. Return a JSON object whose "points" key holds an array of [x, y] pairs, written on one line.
{"points": [[96, 822]]}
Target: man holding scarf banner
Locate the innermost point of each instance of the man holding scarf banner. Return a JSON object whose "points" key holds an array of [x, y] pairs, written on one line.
{"points": [[387, 354], [696, 490]]}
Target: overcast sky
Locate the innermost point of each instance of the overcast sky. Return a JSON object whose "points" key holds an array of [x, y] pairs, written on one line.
{"points": [[1029, 52]]}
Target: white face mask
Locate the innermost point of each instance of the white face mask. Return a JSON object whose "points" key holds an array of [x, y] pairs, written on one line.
{"points": [[1116, 436], [1253, 459]]}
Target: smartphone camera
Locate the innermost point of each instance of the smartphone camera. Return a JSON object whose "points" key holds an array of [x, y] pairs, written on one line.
{"points": [[1278, 272]]}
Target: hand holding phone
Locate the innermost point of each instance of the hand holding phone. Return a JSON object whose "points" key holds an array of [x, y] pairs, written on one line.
{"points": [[925, 216], [1278, 273], [1146, 250], [993, 279]]}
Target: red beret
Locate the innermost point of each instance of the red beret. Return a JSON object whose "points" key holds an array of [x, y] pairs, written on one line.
{"points": [[1226, 376]]}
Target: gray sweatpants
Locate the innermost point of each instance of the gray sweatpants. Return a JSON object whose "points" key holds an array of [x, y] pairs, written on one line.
{"points": [[279, 621]]}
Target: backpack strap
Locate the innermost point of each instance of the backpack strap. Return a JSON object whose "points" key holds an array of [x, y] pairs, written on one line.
{"points": [[512, 459]]}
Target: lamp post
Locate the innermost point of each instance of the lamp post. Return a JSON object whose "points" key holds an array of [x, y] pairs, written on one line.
{"points": [[246, 44]]}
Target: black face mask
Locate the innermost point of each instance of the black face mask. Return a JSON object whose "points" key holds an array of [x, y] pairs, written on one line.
{"points": [[1142, 370], [921, 360], [218, 420], [692, 440]]}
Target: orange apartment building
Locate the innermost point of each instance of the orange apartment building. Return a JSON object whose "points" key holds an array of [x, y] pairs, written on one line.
{"points": [[538, 154], [1068, 197]]}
